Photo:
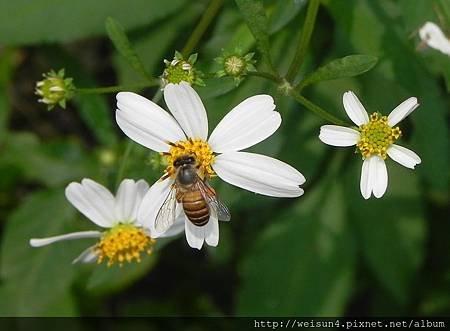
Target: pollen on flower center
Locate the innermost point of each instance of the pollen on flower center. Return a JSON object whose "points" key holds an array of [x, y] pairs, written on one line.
{"points": [[124, 242], [377, 136], [197, 148]]}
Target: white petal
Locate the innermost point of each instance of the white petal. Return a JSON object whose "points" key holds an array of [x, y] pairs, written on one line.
{"points": [[365, 184], [335, 135], [195, 235], [402, 110], [39, 242], [128, 199], [146, 123], [381, 177], [187, 107], [87, 256], [93, 200], [247, 124], [259, 174], [404, 156], [374, 177], [433, 36], [176, 228], [354, 109], [151, 203], [212, 231]]}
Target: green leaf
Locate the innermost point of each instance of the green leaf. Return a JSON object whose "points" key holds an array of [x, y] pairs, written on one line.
{"points": [[347, 66], [37, 162], [96, 113], [35, 279], [144, 43], [304, 262], [284, 12], [256, 19], [106, 279], [392, 230], [119, 38], [6, 68], [66, 20]]}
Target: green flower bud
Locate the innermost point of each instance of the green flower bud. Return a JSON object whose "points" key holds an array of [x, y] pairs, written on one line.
{"points": [[181, 70], [235, 65], [54, 89]]}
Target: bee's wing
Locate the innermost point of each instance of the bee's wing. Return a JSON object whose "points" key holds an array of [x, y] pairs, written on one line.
{"points": [[166, 214], [210, 196]]}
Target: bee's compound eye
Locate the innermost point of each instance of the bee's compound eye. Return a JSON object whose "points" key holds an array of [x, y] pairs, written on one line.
{"points": [[191, 159]]}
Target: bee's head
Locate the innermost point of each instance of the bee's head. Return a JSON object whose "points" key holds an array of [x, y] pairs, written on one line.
{"points": [[187, 160]]}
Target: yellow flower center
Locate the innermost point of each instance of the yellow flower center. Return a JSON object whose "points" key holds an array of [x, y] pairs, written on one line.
{"points": [[377, 136], [123, 242], [197, 148]]}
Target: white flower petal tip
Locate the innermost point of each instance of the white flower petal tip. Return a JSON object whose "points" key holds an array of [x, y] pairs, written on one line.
{"points": [[260, 174], [247, 124], [39, 242], [87, 256], [374, 177], [402, 111], [404, 156], [354, 108], [212, 231], [93, 200], [187, 108], [146, 123], [432, 35], [128, 199], [341, 136], [195, 235]]}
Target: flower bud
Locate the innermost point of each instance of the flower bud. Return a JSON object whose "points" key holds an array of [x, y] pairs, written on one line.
{"points": [[235, 65], [181, 70], [54, 89]]}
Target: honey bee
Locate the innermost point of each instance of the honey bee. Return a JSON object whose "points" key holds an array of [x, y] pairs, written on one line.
{"points": [[198, 199]]}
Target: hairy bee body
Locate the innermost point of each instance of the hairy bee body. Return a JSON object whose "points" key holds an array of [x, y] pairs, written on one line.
{"points": [[188, 193], [191, 190], [194, 205]]}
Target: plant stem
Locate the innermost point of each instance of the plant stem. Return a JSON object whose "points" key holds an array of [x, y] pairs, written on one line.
{"points": [[265, 75], [305, 36], [316, 109], [123, 162], [116, 88], [205, 21]]}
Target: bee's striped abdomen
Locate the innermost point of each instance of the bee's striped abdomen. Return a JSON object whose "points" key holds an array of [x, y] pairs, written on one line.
{"points": [[195, 208]]}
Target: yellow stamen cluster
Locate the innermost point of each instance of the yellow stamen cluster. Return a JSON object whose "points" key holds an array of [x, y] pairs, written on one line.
{"points": [[123, 242], [197, 148], [377, 136]]}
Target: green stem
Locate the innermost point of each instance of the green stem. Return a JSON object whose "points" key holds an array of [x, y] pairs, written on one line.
{"points": [[305, 36], [124, 161], [316, 109], [116, 88], [266, 75], [205, 21]]}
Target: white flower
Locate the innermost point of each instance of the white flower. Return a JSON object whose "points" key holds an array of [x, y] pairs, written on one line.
{"points": [[433, 36], [374, 138], [186, 133], [124, 238]]}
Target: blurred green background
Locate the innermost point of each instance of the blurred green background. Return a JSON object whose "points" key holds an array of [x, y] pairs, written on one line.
{"points": [[327, 253]]}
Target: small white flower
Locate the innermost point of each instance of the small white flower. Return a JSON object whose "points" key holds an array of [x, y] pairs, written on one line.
{"points": [[124, 238], [433, 36], [374, 138], [186, 133]]}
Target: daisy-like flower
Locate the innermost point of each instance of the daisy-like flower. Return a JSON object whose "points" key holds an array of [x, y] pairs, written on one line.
{"points": [[432, 35], [374, 139], [123, 238], [186, 134]]}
